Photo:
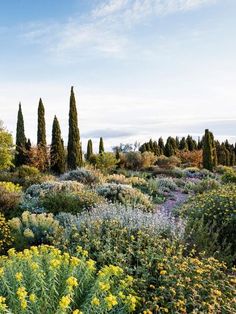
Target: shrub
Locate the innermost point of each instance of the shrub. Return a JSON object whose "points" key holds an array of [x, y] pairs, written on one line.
{"points": [[229, 176], [201, 186], [121, 179], [223, 169], [70, 202], [27, 171], [43, 280], [167, 279], [106, 162], [9, 201], [148, 159], [168, 162], [125, 194], [5, 235], [175, 172], [216, 211], [32, 229], [133, 160], [10, 187], [81, 175], [193, 172], [190, 158]]}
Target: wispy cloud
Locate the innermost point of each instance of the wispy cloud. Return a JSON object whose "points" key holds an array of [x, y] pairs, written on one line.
{"points": [[105, 30]]}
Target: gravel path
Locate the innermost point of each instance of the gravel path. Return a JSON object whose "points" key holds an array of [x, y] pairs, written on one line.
{"points": [[175, 199]]}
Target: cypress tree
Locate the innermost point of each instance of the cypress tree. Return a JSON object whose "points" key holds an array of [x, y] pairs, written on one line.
{"points": [[208, 157], [101, 146], [170, 147], [156, 149], [161, 145], [20, 156], [41, 135], [89, 150], [57, 153], [183, 144], [74, 158]]}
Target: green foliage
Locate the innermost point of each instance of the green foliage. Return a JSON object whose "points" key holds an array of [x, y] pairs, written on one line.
{"points": [[167, 279], [229, 176], [32, 229], [41, 135], [5, 235], [168, 162], [208, 157], [101, 146], [44, 280], [216, 210], [125, 194], [20, 156], [74, 203], [6, 147], [57, 149], [106, 162], [74, 156], [83, 175], [9, 200], [89, 150]]}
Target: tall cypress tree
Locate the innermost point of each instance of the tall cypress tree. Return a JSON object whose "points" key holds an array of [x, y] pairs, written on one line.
{"points": [[208, 158], [183, 144], [161, 145], [89, 150], [57, 153], [74, 158], [101, 146], [20, 156], [41, 135]]}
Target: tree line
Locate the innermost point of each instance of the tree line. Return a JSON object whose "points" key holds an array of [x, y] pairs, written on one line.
{"points": [[56, 158]]}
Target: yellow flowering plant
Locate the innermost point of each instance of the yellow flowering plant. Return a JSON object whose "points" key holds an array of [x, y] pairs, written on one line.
{"points": [[45, 280], [5, 235]]}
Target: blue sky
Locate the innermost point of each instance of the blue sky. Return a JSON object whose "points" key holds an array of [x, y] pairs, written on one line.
{"points": [[141, 68]]}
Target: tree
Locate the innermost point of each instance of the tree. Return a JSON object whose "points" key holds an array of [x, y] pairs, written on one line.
{"points": [[57, 153], [6, 147], [89, 150], [161, 145], [74, 158], [41, 135], [208, 162], [183, 144], [170, 147], [106, 162], [20, 156], [101, 146]]}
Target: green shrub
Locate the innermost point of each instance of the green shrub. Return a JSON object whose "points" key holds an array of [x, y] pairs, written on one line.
{"points": [[229, 176], [10, 187], [5, 235], [216, 213], [9, 202], [70, 202], [168, 162], [27, 171], [167, 279], [44, 280], [125, 194], [32, 229], [82, 175], [202, 186]]}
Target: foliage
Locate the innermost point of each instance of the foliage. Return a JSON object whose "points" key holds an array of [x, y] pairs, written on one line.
{"points": [[5, 235], [70, 202], [201, 186], [9, 200], [166, 278], [121, 179], [6, 146], [190, 158], [125, 194], [32, 229], [10, 187], [74, 156], [133, 160], [82, 175], [168, 162], [57, 153], [20, 156], [208, 158], [106, 162], [38, 157], [229, 176], [75, 287], [89, 150], [216, 210], [101, 146]]}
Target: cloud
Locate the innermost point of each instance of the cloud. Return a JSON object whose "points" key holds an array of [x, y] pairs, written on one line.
{"points": [[108, 133], [105, 30]]}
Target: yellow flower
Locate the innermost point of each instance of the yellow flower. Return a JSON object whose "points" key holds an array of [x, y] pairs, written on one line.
{"points": [[34, 266], [163, 272], [95, 301], [23, 304], [111, 301], [74, 261], [91, 265], [77, 312], [104, 286], [55, 263], [64, 302], [72, 282], [132, 302], [32, 297], [21, 293], [1, 271]]}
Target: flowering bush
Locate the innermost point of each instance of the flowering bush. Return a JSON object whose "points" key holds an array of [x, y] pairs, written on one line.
{"points": [[5, 235], [229, 176], [44, 280], [32, 229], [82, 175], [70, 202], [167, 279], [9, 200], [125, 194], [10, 187], [212, 220]]}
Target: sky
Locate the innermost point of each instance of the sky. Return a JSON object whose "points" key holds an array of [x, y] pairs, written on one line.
{"points": [[140, 69]]}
